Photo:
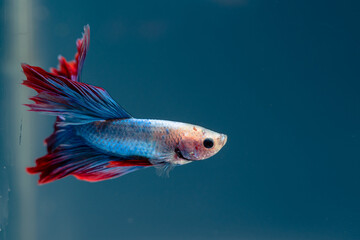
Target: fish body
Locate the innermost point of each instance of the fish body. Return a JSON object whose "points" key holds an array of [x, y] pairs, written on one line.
{"points": [[95, 139], [152, 139]]}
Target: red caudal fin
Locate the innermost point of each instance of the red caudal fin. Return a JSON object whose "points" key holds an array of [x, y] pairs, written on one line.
{"points": [[72, 69], [80, 160]]}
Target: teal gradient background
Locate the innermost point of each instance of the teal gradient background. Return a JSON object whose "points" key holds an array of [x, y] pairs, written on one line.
{"points": [[280, 78]]}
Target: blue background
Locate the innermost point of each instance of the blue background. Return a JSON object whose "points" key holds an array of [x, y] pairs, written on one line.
{"points": [[280, 78]]}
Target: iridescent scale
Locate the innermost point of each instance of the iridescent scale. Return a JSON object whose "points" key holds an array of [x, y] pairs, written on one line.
{"points": [[132, 137]]}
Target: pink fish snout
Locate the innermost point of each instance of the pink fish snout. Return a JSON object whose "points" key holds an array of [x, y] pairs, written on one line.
{"points": [[223, 139]]}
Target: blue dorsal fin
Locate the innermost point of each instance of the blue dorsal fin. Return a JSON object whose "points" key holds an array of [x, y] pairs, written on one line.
{"points": [[72, 69], [76, 102], [82, 46]]}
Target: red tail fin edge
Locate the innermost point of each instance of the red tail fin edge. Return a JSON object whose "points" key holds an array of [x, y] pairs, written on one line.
{"points": [[72, 69]]}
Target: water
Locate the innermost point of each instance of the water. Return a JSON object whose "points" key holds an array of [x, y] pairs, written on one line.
{"points": [[279, 78]]}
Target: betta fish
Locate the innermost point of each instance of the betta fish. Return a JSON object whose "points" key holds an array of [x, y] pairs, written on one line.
{"points": [[95, 139]]}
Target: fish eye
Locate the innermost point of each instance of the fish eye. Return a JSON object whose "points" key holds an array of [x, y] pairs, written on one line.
{"points": [[208, 143]]}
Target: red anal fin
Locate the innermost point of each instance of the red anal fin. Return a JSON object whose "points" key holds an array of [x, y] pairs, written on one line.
{"points": [[130, 163]]}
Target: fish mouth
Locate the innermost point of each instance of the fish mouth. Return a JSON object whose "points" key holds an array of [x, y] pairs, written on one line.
{"points": [[223, 139], [180, 155]]}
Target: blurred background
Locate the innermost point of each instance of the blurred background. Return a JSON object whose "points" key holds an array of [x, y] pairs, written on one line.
{"points": [[280, 78]]}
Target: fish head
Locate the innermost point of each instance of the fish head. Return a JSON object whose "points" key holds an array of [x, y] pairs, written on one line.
{"points": [[198, 143]]}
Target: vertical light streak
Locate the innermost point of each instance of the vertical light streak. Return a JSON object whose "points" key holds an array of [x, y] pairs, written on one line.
{"points": [[19, 44]]}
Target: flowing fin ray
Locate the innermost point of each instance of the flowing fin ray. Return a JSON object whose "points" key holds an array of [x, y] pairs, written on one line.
{"points": [[76, 102], [72, 69], [78, 159]]}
